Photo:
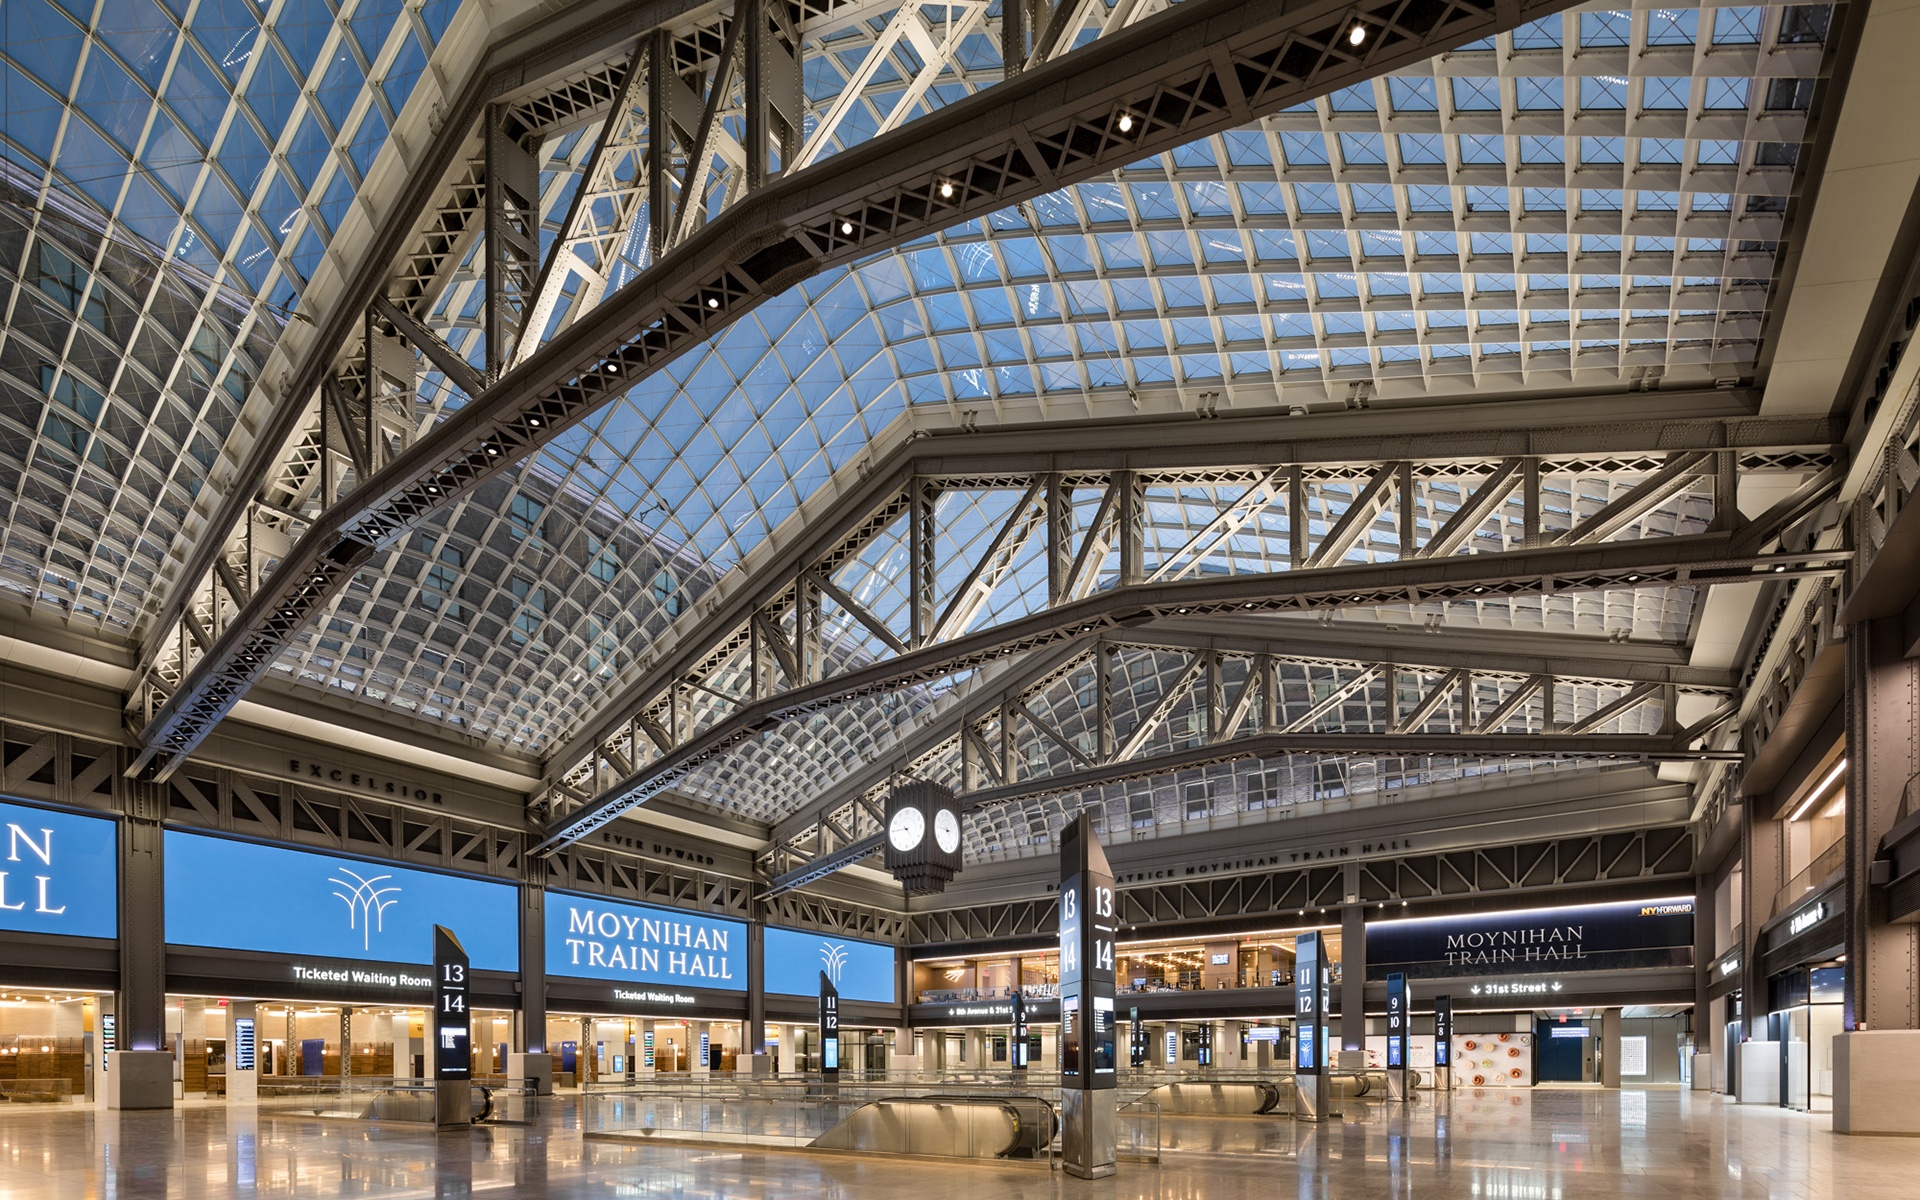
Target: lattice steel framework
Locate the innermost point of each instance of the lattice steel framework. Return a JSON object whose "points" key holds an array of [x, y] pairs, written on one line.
{"points": [[1018, 139], [898, 601]]}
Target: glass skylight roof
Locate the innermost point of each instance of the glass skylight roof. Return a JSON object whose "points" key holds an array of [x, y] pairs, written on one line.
{"points": [[172, 174], [1588, 202], [1592, 202]]}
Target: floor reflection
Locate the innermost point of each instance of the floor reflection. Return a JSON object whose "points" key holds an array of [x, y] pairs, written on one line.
{"points": [[1537, 1145]]}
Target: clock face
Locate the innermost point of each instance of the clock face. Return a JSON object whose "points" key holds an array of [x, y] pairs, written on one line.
{"points": [[906, 829], [946, 830]]}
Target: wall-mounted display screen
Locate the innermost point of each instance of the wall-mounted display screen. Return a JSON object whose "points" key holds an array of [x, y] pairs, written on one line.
{"points": [[1586, 937], [229, 895], [243, 1044], [592, 937], [57, 873], [861, 970]]}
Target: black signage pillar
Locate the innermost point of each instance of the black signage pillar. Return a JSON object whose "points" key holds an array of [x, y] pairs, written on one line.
{"points": [[1136, 1040], [1309, 1027], [829, 1028], [1087, 1027], [1443, 1043], [1017, 1034], [1399, 1018], [452, 1032]]}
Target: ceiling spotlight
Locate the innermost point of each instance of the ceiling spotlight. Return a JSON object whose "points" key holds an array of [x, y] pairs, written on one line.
{"points": [[433, 489], [492, 450], [713, 302], [1478, 588], [1780, 569], [613, 368], [1357, 34], [946, 189], [1126, 122], [846, 227], [1633, 579]]}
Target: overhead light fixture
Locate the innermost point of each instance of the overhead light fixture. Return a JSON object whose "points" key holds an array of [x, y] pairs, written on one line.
{"points": [[946, 189], [1126, 122], [1819, 789], [713, 302], [535, 421], [1780, 568], [1357, 34], [846, 227]]}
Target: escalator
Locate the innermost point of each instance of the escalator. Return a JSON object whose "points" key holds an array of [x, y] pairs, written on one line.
{"points": [[1002, 1127]]}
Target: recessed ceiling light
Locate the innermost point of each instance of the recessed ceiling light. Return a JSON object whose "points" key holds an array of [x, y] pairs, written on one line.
{"points": [[946, 189], [1357, 34], [713, 302], [1126, 122], [846, 227]]}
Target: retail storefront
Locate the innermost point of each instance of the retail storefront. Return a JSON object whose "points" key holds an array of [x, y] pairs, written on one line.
{"points": [[635, 989], [59, 915], [1806, 971]]}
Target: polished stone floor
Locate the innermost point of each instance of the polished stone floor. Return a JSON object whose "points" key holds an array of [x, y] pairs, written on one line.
{"points": [[1538, 1145]]}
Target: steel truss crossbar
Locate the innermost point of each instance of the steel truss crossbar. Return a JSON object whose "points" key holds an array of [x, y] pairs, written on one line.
{"points": [[1683, 561], [1194, 70], [1645, 748], [1054, 682]]}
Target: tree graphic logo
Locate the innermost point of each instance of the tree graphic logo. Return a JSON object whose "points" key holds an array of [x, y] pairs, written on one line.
{"points": [[366, 906], [833, 956]]}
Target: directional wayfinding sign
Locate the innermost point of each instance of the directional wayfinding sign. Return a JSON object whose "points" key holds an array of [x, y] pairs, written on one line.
{"points": [[1310, 987], [452, 1031], [1397, 1022], [1309, 1004], [1017, 1033], [1443, 1041], [829, 1028], [1087, 1026]]}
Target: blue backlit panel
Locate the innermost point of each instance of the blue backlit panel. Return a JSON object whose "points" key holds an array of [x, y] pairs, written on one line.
{"points": [[861, 970], [57, 873], [230, 895]]}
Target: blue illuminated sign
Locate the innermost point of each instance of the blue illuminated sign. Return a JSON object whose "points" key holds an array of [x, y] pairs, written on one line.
{"points": [[860, 970], [57, 873], [592, 937], [231, 895]]}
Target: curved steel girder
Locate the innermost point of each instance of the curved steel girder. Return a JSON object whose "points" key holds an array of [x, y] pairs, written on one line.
{"points": [[1196, 69], [1697, 560]]}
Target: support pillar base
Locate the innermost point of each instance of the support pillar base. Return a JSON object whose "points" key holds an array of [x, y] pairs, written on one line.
{"points": [[1760, 1073], [139, 1079], [1873, 1074], [1087, 1127], [531, 1070]]}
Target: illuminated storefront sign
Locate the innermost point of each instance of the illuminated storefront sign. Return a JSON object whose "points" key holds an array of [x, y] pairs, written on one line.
{"points": [[859, 970], [231, 895], [1807, 918], [57, 873], [593, 937]]}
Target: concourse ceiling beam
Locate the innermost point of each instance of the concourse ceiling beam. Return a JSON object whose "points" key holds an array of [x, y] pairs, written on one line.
{"points": [[1681, 561], [1623, 747], [1016, 457], [1196, 69]]}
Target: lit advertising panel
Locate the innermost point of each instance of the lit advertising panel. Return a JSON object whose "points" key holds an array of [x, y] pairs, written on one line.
{"points": [[860, 970], [231, 895], [58, 873]]}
